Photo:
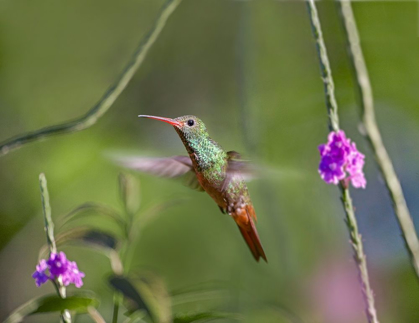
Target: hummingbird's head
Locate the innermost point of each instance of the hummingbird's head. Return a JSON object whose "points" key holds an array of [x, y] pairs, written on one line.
{"points": [[189, 128]]}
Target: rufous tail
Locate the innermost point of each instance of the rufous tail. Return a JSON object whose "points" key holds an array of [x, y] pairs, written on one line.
{"points": [[244, 219]]}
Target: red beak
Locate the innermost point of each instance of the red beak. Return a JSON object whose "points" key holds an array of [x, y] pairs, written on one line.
{"points": [[167, 120]]}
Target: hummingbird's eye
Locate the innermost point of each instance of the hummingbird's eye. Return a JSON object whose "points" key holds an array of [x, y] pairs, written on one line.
{"points": [[191, 122]]}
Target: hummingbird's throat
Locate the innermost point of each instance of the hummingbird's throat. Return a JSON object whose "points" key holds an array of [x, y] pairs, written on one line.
{"points": [[204, 152]]}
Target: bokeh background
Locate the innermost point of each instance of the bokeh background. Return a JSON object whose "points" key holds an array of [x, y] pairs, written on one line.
{"points": [[250, 71]]}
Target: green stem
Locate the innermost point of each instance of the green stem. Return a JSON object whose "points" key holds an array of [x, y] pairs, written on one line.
{"points": [[49, 229], [244, 78], [350, 220], [130, 249], [359, 255], [326, 71], [103, 105], [128, 189], [116, 302], [65, 315], [46, 208], [366, 103]]}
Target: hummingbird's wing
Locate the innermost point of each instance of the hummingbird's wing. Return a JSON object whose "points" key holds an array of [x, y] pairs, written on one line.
{"points": [[169, 167], [163, 167], [247, 170], [190, 180], [236, 166]]}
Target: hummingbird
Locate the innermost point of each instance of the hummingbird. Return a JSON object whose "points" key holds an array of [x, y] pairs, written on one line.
{"points": [[219, 173]]}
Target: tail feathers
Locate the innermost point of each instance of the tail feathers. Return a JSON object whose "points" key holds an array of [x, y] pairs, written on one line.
{"points": [[248, 230]]}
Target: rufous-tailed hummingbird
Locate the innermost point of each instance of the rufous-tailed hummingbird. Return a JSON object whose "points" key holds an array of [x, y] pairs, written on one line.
{"points": [[213, 170]]}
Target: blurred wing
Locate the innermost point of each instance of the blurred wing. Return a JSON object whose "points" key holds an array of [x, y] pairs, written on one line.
{"points": [[163, 167], [169, 167], [236, 166], [191, 181]]}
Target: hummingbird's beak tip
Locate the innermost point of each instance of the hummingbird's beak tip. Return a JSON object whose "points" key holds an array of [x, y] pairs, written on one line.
{"points": [[167, 120]]}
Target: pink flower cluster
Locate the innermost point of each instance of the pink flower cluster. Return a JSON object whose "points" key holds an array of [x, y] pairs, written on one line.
{"points": [[58, 266], [341, 161]]}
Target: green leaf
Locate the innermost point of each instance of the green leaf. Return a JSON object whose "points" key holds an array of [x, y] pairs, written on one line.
{"points": [[53, 303], [199, 293], [85, 236], [132, 296], [150, 214], [88, 236], [91, 208], [154, 291], [146, 292], [136, 317], [130, 193], [203, 316], [199, 297]]}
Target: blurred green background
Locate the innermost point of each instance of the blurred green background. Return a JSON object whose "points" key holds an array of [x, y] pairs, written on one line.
{"points": [[250, 71]]}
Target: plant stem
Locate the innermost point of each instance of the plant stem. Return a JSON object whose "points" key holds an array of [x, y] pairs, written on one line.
{"points": [[60, 289], [116, 301], [95, 315], [359, 255], [49, 229], [46, 208], [244, 78], [351, 223], [373, 135], [103, 105], [326, 71]]}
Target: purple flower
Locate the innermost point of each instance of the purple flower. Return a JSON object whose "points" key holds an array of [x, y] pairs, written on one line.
{"points": [[73, 275], [59, 267], [354, 168], [341, 161], [39, 275], [57, 264]]}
